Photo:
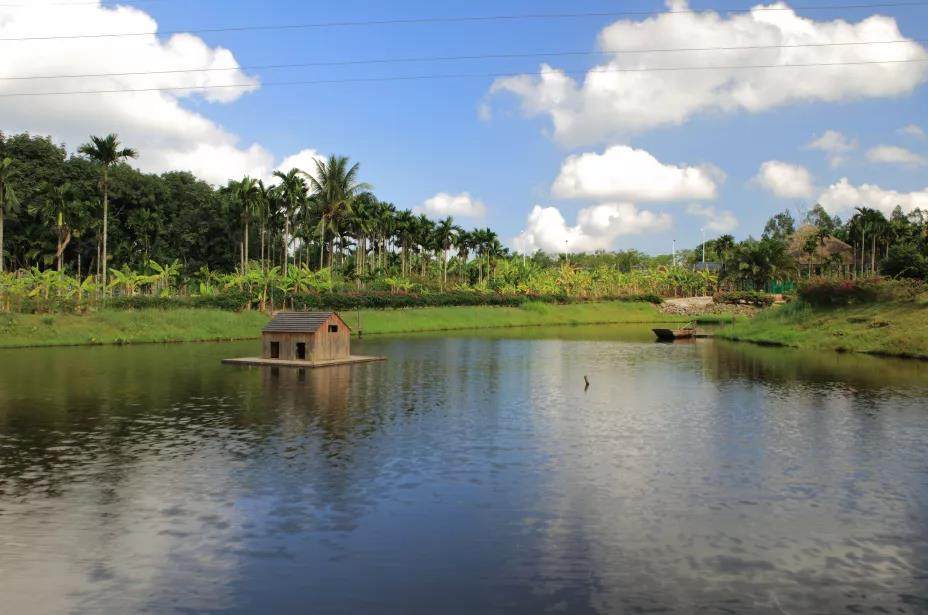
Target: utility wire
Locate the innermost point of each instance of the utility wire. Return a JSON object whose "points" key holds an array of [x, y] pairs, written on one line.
{"points": [[464, 19], [487, 56], [193, 88]]}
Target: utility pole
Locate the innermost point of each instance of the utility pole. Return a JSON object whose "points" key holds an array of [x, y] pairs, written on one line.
{"points": [[567, 250], [703, 248]]}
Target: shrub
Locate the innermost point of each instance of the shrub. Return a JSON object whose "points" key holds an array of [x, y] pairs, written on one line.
{"points": [[744, 297]]}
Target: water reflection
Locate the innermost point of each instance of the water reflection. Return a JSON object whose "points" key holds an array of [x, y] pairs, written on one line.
{"points": [[467, 473]]}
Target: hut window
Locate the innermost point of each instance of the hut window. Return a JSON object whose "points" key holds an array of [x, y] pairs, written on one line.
{"points": [[301, 350], [333, 328], [275, 350]]}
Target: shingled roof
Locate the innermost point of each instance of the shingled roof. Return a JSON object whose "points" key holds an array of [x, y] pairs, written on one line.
{"points": [[297, 322]]}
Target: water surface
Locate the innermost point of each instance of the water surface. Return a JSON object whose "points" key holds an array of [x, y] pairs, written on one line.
{"points": [[469, 473]]}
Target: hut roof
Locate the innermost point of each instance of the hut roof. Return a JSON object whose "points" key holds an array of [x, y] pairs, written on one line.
{"points": [[297, 322], [827, 249]]}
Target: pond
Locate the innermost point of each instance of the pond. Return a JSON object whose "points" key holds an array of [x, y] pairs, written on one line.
{"points": [[468, 473]]}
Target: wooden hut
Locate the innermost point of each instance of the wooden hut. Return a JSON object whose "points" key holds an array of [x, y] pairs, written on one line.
{"points": [[306, 336], [829, 253]]}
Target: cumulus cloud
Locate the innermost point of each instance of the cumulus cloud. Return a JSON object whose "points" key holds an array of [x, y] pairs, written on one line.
{"points": [[835, 145], [462, 205], [303, 160], [167, 134], [618, 98], [714, 220], [622, 172], [892, 154], [597, 228], [912, 130], [785, 180], [843, 196]]}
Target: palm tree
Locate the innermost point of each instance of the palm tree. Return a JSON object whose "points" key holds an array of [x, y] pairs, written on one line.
{"points": [[106, 152], [248, 193], [9, 203], [292, 191], [60, 208], [444, 236], [335, 186]]}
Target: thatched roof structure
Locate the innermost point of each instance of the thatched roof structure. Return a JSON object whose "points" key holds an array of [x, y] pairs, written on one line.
{"points": [[828, 250]]}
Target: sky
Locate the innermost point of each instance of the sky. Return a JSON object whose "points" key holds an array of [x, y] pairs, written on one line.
{"points": [[576, 144]]}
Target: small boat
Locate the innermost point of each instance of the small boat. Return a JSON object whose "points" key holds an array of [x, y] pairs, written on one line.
{"points": [[669, 335]]}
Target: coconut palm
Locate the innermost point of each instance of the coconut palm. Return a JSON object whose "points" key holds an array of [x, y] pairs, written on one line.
{"points": [[106, 152], [9, 203], [335, 186]]}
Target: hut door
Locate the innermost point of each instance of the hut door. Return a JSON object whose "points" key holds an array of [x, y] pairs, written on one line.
{"points": [[301, 351], [275, 350]]}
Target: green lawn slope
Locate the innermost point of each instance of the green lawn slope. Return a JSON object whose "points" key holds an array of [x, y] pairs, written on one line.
{"points": [[888, 328]]}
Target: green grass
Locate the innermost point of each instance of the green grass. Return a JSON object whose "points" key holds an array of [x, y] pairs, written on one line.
{"points": [[894, 329], [127, 327], [188, 324]]}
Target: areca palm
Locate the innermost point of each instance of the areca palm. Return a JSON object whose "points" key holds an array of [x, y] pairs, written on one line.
{"points": [[248, 194], [292, 191], [106, 152], [444, 236], [8, 200], [335, 186]]}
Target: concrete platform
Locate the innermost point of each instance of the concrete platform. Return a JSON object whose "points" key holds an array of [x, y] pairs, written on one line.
{"points": [[297, 363]]}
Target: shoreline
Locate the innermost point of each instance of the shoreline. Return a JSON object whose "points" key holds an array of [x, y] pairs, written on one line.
{"points": [[890, 329], [155, 326]]}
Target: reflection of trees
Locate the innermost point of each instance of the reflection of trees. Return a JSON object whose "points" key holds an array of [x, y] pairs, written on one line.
{"points": [[862, 373]]}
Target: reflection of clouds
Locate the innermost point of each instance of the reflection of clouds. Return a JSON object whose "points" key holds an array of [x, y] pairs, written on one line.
{"points": [[129, 532], [672, 488], [473, 466]]}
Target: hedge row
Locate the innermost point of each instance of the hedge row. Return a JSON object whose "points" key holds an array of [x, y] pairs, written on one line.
{"points": [[351, 301]]}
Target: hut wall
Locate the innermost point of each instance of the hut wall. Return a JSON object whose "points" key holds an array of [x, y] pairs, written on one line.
{"points": [[288, 342], [328, 345]]}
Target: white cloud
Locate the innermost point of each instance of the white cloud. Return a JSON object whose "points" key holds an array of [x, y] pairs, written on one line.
{"points": [[167, 135], [913, 130], [597, 228], [892, 154], [715, 221], [835, 145], [622, 172], [609, 103], [843, 196], [785, 180], [302, 160], [462, 205]]}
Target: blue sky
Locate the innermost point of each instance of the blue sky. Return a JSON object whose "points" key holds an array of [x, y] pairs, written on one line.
{"points": [[415, 139]]}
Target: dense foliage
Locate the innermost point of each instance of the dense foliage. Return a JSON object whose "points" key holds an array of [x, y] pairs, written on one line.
{"points": [[80, 230]]}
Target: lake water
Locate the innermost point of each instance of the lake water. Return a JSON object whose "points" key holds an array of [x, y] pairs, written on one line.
{"points": [[469, 473]]}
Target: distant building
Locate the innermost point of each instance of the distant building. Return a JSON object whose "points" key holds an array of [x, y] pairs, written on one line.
{"points": [[708, 266], [306, 336]]}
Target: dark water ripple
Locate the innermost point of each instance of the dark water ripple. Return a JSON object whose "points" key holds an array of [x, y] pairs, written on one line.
{"points": [[466, 474]]}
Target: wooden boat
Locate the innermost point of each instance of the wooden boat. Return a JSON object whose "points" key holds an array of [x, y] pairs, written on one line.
{"points": [[669, 335]]}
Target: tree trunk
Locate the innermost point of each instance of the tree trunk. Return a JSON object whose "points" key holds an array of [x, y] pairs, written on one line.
{"points": [[1, 237], [322, 246], [873, 255], [106, 207], [286, 235], [245, 249]]}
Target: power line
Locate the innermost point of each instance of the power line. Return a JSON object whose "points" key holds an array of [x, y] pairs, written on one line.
{"points": [[463, 19], [456, 76], [486, 56]]}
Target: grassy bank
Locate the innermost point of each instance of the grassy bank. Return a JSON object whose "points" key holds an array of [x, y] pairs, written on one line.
{"points": [[886, 328], [186, 325]]}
